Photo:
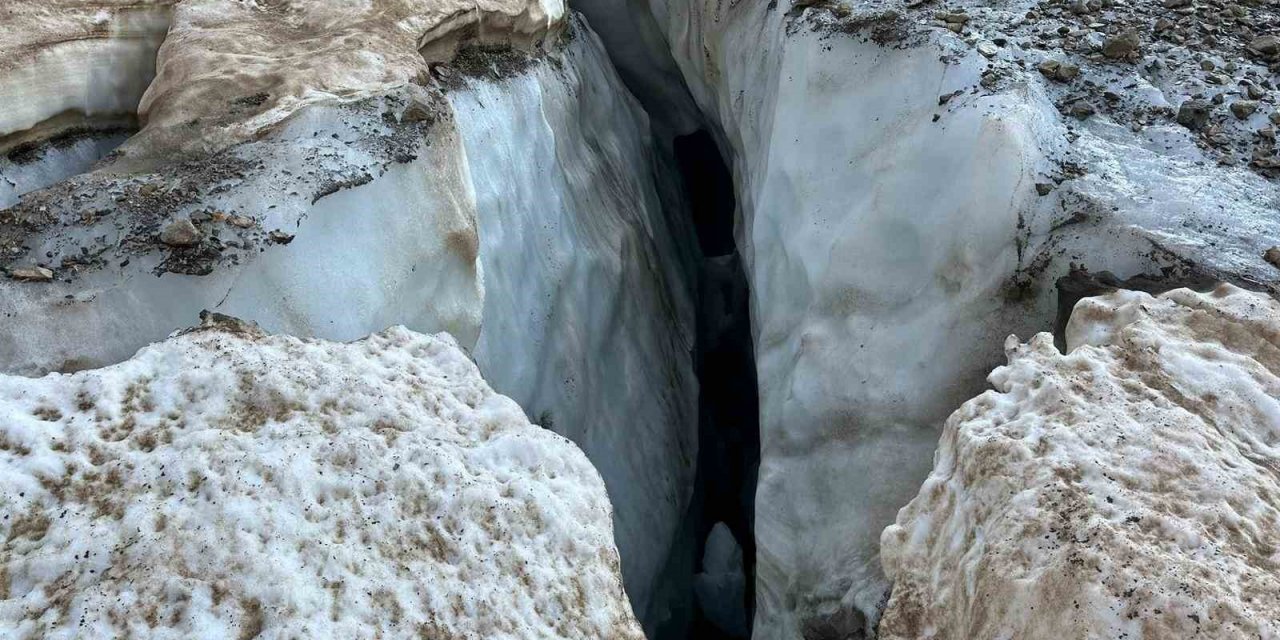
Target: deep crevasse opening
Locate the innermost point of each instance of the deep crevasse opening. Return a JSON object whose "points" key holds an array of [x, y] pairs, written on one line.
{"points": [[728, 407]]}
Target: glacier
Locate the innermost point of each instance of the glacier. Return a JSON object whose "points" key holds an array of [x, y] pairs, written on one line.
{"points": [[908, 192], [1125, 488], [230, 483], [504, 195], [907, 184]]}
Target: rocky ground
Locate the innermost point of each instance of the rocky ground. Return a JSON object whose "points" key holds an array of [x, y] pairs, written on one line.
{"points": [[1208, 65]]}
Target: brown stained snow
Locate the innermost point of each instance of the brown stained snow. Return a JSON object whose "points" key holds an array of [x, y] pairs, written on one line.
{"points": [[1128, 489], [233, 484]]}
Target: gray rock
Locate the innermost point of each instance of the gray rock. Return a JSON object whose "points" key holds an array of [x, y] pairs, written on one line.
{"points": [[1194, 114], [1119, 47], [180, 233], [1266, 45], [1242, 109], [1081, 109]]}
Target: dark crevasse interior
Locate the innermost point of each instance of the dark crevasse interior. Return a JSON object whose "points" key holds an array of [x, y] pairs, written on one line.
{"points": [[728, 406]]}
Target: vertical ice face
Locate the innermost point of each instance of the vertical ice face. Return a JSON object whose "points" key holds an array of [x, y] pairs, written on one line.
{"points": [[1127, 488], [227, 483], [353, 177], [586, 322], [907, 197]]}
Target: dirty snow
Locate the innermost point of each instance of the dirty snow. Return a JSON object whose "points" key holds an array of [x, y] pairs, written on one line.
{"points": [[1130, 488], [226, 483]]}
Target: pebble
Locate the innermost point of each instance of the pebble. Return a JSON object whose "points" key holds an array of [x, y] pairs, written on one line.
{"points": [[1119, 47], [1272, 255]]}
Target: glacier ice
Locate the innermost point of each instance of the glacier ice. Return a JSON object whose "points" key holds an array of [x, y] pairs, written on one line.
{"points": [[228, 483], [505, 196], [894, 231], [1126, 488]]}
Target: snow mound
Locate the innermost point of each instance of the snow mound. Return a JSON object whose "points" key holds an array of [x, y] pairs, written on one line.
{"points": [[227, 483], [1130, 488]]}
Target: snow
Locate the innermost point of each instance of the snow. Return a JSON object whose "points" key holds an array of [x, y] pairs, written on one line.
{"points": [[721, 585], [893, 241], [515, 210], [227, 483], [65, 56], [1127, 488], [282, 57]]}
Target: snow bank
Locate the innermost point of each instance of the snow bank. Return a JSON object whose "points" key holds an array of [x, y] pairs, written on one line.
{"points": [[76, 60], [505, 196], [905, 202], [226, 483], [1127, 489]]}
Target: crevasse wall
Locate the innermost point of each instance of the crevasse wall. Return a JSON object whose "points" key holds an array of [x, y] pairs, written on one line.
{"points": [[892, 241], [586, 322], [519, 214]]}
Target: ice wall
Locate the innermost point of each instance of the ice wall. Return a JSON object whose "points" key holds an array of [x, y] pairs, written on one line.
{"points": [[505, 196], [905, 202]]}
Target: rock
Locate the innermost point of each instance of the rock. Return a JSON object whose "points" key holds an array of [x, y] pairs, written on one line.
{"points": [[1059, 71], [988, 49], [1094, 484], [31, 274], [243, 222], [280, 237], [296, 480], [1081, 109], [1194, 114], [1044, 188], [1265, 45], [1274, 117], [1242, 109], [1175, 4], [1255, 92], [1119, 47], [1272, 256], [180, 233]]}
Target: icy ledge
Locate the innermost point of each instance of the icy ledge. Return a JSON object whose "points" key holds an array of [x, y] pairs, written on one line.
{"points": [[1130, 488], [227, 483]]}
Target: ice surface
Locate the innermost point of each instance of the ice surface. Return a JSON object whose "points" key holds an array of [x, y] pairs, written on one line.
{"points": [[722, 584], [225, 483], [1126, 489], [69, 57], [506, 197], [894, 235]]}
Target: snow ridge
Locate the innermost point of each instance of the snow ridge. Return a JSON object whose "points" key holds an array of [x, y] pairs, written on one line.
{"points": [[1130, 488], [226, 483]]}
